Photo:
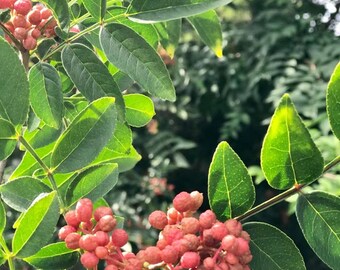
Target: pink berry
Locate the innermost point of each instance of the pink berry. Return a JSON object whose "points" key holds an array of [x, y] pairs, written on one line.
{"points": [[183, 202], [234, 227], [197, 199], [169, 255], [45, 13], [65, 231], [101, 252], [193, 241], [20, 33], [219, 230], [23, 6], [111, 267], [71, 217], [72, 240], [34, 17], [231, 258], [84, 209], [19, 21], [102, 238], [119, 237], [107, 223], [190, 225], [35, 33], [10, 26], [242, 246], [152, 255], [102, 211], [88, 242], [4, 4], [89, 260], [158, 219], [190, 260], [207, 219], [228, 242], [209, 263]]}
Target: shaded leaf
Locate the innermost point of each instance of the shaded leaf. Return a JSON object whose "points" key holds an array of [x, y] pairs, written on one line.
{"points": [[85, 137], [272, 249], [93, 183], [230, 188], [8, 138], [333, 101], [289, 156], [149, 11], [41, 137], [21, 192], [133, 55], [208, 27], [2, 219], [36, 226], [318, 214], [139, 109], [60, 11], [54, 256], [90, 75], [96, 8], [169, 33], [13, 83]]}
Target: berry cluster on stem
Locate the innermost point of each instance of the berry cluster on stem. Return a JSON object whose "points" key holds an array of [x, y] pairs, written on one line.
{"points": [[28, 23], [185, 242]]}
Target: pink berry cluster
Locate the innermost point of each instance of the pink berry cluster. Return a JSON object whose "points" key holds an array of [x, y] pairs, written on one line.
{"points": [[28, 22], [185, 242]]}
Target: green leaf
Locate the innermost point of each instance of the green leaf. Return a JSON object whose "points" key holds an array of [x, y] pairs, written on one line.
{"points": [[54, 256], [46, 94], [93, 183], [90, 75], [318, 214], [2, 257], [21, 192], [272, 249], [230, 188], [289, 156], [13, 83], [121, 140], [41, 137], [129, 52], [86, 136], [149, 11], [7, 138], [96, 8], [36, 226], [169, 33], [2, 218], [60, 11], [139, 109], [333, 104], [208, 27]]}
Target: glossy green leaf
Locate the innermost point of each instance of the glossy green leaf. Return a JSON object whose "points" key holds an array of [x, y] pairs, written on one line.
{"points": [[21, 192], [2, 257], [29, 165], [2, 218], [272, 249], [46, 94], [129, 52], [139, 109], [60, 11], [7, 138], [289, 156], [230, 188], [41, 137], [90, 75], [13, 83], [318, 214], [85, 137], [208, 27], [36, 226], [96, 8], [121, 140], [169, 33], [333, 103], [149, 11], [93, 183], [54, 256]]}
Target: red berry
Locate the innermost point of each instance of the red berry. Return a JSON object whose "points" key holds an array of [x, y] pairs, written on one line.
{"points": [[23, 6], [5, 4], [190, 225], [242, 246], [101, 252], [169, 255], [193, 241], [102, 211], [228, 242], [107, 223], [190, 260], [207, 219], [219, 230], [152, 255], [70, 217], [9, 26], [183, 202], [89, 260], [34, 17], [72, 240], [19, 21], [45, 13], [111, 267], [158, 219], [35, 33], [119, 237], [65, 231], [102, 238], [88, 242], [197, 199], [231, 258], [209, 263], [234, 227], [84, 210]]}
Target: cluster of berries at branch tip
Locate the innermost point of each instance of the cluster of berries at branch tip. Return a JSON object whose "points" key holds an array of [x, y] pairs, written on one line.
{"points": [[28, 22], [185, 242]]}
